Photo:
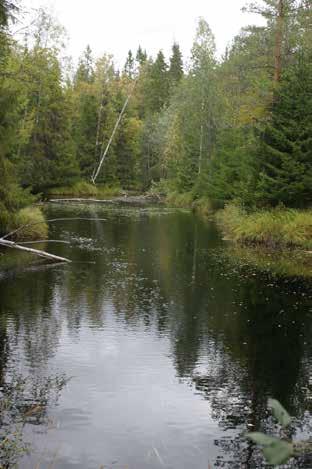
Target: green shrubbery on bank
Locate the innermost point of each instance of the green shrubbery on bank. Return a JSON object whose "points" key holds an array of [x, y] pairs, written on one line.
{"points": [[274, 227], [85, 189], [33, 222]]}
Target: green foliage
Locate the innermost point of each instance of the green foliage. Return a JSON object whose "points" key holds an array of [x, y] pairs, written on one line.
{"points": [[157, 85], [285, 150], [220, 131], [276, 451], [176, 66], [279, 412], [129, 68]]}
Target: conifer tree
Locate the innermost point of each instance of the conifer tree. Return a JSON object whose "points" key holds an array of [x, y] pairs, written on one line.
{"points": [[141, 56], [158, 84], [176, 65], [47, 158], [286, 144], [85, 70], [129, 68]]}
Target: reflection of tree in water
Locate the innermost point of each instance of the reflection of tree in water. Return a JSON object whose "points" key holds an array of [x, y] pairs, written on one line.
{"points": [[255, 349], [237, 336]]}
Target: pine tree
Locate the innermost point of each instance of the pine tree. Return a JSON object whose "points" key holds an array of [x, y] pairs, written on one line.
{"points": [[286, 144], [176, 66]]}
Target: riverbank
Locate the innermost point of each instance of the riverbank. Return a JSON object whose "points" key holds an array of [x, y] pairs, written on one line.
{"points": [[34, 225], [273, 228], [279, 227], [85, 189]]}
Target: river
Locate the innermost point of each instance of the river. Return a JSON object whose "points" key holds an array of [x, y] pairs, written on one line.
{"points": [[169, 348]]}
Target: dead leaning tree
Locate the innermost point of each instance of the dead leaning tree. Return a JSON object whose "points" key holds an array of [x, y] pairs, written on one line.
{"points": [[97, 169], [13, 245]]}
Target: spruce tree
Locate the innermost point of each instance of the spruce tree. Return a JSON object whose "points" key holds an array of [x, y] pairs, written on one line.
{"points": [[158, 93], [176, 65], [286, 143], [85, 70], [141, 56], [129, 68], [48, 158]]}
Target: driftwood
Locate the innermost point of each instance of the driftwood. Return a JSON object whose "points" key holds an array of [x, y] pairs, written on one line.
{"points": [[139, 200], [11, 244], [41, 241]]}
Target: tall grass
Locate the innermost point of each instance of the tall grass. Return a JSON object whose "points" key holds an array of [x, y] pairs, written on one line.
{"points": [[176, 199], [85, 189], [275, 227], [35, 228]]}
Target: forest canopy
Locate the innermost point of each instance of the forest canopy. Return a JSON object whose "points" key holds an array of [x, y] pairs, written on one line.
{"points": [[236, 128]]}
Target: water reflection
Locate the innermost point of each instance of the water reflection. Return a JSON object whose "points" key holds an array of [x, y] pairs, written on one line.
{"points": [[173, 348]]}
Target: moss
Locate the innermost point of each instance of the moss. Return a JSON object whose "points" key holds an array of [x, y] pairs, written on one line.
{"points": [[275, 227]]}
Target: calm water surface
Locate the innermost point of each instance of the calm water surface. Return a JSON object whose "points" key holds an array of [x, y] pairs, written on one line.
{"points": [[169, 347]]}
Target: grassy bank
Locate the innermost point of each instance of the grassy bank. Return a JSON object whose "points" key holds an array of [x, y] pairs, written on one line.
{"points": [[85, 189], [202, 206], [35, 228], [280, 227]]}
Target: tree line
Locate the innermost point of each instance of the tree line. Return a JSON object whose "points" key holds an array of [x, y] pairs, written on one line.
{"points": [[235, 128]]}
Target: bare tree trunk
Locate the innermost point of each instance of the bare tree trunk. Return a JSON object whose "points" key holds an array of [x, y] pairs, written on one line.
{"points": [[278, 40], [99, 122]]}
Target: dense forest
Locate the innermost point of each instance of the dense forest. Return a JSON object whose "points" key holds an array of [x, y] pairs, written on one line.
{"points": [[237, 128]]}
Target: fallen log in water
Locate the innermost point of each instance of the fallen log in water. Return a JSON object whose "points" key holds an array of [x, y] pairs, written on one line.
{"points": [[139, 200], [11, 244]]}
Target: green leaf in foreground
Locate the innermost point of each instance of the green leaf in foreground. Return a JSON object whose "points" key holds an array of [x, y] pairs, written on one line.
{"points": [[275, 450], [279, 412], [278, 453]]}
